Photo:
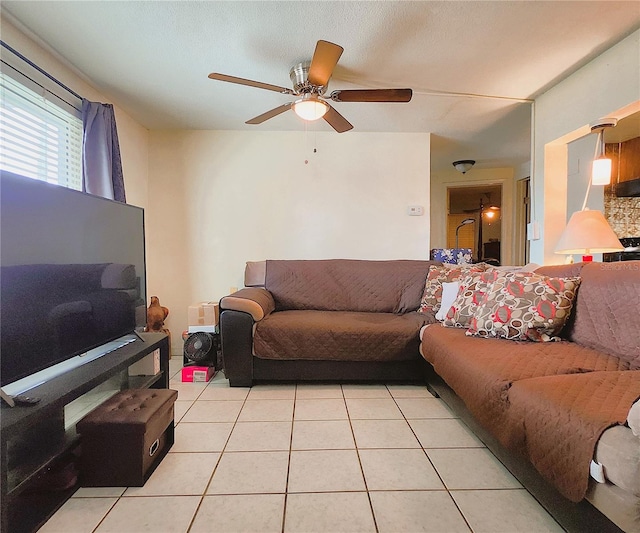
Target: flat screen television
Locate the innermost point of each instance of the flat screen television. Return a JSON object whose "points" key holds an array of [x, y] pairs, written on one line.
{"points": [[72, 274]]}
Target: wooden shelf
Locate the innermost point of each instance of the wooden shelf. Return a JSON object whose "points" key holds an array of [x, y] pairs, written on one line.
{"points": [[34, 440]]}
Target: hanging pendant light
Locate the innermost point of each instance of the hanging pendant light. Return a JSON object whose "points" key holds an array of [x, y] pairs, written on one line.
{"points": [[601, 169]]}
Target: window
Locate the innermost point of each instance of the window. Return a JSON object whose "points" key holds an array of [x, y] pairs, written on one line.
{"points": [[38, 138]]}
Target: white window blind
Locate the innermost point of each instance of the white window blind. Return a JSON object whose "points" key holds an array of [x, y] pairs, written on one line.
{"points": [[38, 138]]}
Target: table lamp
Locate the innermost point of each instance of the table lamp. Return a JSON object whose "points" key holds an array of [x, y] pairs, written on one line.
{"points": [[586, 233]]}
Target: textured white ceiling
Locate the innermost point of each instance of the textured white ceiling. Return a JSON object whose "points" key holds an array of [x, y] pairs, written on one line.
{"points": [[153, 59]]}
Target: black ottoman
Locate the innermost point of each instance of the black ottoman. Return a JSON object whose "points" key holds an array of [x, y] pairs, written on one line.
{"points": [[124, 439]]}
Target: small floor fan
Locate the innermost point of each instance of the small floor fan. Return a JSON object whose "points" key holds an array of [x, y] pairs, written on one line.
{"points": [[202, 348]]}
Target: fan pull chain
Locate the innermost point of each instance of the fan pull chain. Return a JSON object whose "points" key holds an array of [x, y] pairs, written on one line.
{"points": [[306, 141]]}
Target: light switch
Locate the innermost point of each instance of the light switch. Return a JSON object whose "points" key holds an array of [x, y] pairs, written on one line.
{"points": [[415, 210]]}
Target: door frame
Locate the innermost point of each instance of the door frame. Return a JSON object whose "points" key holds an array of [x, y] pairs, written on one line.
{"points": [[523, 217], [506, 211]]}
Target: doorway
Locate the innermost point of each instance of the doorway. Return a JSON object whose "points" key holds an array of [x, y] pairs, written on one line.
{"points": [[474, 220], [523, 217]]}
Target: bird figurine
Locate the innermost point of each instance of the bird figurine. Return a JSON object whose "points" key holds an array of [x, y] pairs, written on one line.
{"points": [[156, 315]]}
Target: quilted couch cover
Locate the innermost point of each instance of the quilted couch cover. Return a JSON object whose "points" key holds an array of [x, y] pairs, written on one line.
{"points": [[340, 309], [552, 401]]}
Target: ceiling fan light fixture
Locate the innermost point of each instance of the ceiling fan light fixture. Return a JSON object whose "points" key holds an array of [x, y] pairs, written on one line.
{"points": [[310, 107], [464, 165]]}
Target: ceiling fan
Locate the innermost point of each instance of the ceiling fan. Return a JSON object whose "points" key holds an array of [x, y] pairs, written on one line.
{"points": [[489, 211], [310, 81]]}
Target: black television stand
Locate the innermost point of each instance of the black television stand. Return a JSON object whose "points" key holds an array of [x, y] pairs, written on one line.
{"points": [[36, 440]]}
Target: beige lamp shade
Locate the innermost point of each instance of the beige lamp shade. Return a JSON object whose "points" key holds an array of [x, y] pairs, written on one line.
{"points": [[588, 232]]}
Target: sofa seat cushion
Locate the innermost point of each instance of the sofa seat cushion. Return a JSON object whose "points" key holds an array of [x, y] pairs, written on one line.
{"points": [[339, 335], [618, 450], [481, 371], [563, 418]]}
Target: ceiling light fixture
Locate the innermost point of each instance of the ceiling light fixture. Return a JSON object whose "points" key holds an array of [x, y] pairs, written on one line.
{"points": [[464, 165], [601, 170], [310, 107]]}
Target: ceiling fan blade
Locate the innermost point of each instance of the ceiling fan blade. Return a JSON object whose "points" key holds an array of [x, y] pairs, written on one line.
{"points": [[337, 121], [270, 114], [323, 62], [372, 95], [250, 83]]}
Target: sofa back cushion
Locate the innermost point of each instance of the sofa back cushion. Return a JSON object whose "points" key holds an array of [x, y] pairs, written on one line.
{"points": [[561, 271], [606, 310], [255, 273], [347, 285]]}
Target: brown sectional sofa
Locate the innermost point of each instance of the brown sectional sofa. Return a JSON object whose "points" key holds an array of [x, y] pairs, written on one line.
{"points": [[557, 404], [552, 402], [326, 320]]}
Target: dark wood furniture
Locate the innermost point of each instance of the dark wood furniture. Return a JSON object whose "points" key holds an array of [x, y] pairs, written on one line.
{"points": [[125, 439], [35, 444], [492, 250], [625, 168]]}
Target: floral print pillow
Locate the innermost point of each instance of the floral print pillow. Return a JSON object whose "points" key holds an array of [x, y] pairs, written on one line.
{"points": [[432, 295], [524, 306], [472, 293]]}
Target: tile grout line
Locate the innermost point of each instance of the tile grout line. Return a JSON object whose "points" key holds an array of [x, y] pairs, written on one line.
{"points": [[424, 450], [125, 490], [286, 486], [364, 478], [206, 488], [105, 514]]}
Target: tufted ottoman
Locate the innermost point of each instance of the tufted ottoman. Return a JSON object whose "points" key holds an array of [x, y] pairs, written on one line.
{"points": [[125, 438]]}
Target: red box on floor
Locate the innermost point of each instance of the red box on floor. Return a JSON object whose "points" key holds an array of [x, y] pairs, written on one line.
{"points": [[197, 373]]}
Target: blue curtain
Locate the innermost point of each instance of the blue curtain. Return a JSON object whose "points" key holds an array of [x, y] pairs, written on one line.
{"points": [[101, 163]]}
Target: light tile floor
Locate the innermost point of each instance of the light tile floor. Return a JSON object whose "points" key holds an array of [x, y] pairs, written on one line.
{"points": [[313, 458]]}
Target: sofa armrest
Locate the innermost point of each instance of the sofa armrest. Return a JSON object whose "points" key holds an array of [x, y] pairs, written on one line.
{"points": [[255, 301], [236, 337]]}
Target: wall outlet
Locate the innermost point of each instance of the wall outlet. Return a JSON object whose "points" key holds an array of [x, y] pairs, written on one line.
{"points": [[533, 231], [415, 210]]}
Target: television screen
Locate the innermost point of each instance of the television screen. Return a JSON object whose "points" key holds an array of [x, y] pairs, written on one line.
{"points": [[72, 276]]}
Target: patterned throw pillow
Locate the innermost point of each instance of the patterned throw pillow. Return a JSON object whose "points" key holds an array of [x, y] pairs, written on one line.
{"points": [[472, 293], [523, 306], [432, 295], [449, 295]]}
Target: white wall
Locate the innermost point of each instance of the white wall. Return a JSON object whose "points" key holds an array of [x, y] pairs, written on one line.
{"points": [[440, 181], [523, 171], [607, 86], [221, 198], [134, 141], [579, 158]]}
